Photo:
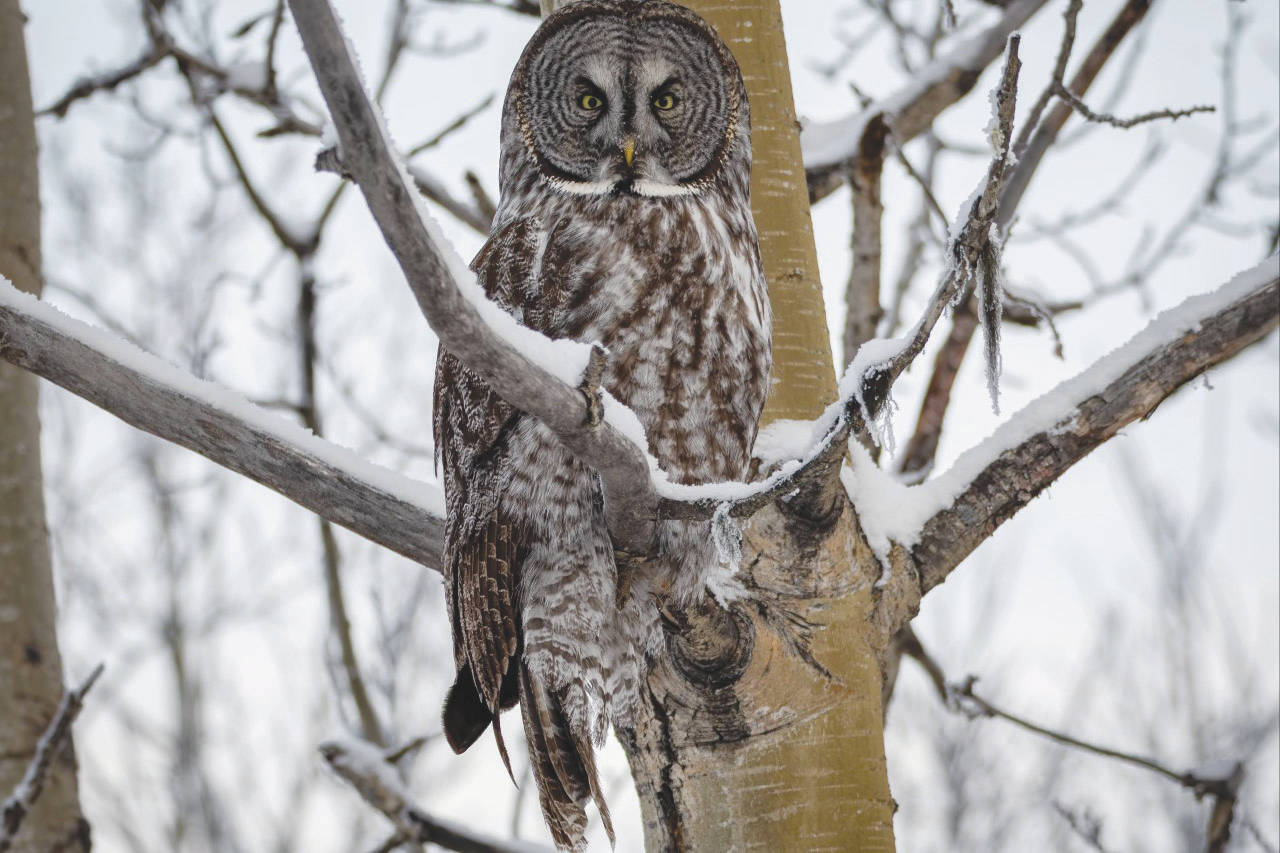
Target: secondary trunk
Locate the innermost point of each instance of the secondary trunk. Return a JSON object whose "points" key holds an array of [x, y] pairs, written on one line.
{"points": [[30, 667]]}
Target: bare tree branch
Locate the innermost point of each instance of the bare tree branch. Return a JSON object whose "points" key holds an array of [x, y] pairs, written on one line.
{"points": [[105, 82], [1123, 387], [1086, 826], [16, 806], [829, 147], [367, 770], [1103, 118], [1221, 783], [152, 395], [862, 293], [1030, 153], [972, 705]]}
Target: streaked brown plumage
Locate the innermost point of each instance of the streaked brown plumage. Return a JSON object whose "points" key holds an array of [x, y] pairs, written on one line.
{"points": [[657, 260]]}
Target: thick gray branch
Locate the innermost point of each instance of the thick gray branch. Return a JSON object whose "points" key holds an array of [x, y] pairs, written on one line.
{"points": [[631, 502], [1163, 359], [146, 393]]}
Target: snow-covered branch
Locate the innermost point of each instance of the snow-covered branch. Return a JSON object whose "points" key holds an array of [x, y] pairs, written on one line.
{"points": [[942, 520], [16, 806], [149, 393], [530, 371], [368, 769], [829, 148], [866, 383], [1037, 136]]}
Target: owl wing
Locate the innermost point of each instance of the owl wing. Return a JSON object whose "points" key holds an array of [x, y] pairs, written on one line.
{"points": [[483, 548]]}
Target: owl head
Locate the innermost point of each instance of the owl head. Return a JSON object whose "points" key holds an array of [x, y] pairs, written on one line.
{"points": [[637, 97]]}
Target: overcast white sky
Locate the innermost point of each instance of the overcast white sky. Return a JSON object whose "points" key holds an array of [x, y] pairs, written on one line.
{"points": [[1063, 569]]}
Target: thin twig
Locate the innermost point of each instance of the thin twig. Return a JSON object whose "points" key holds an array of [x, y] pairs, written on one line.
{"points": [[1087, 826], [1102, 118], [1032, 121], [972, 705], [367, 770], [19, 803], [88, 86], [453, 126]]}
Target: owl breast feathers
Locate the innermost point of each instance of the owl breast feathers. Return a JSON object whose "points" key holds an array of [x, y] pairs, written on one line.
{"points": [[624, 218]]}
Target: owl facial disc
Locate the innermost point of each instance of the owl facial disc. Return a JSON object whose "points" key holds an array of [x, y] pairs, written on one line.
{"points": [[620, 98]]}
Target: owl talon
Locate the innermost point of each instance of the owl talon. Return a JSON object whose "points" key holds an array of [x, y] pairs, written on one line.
{"points": [[673, 620], [626, 572], [590, 386], [626, 563]]}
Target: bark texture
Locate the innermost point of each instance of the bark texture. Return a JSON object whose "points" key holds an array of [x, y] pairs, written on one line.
{"points": [[30, 666], [803, 379]]}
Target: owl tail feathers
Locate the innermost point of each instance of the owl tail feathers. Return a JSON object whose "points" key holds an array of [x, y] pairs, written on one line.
{"points": [[466, 715], [564, 766]]}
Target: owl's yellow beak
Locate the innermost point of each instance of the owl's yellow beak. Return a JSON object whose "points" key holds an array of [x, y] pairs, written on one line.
{"points": [[629, 150]]}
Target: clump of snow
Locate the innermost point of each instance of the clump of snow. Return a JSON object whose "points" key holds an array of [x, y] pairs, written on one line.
{"points": [[329, 137], [994, 132], [366, 761], [832, 142], [726, 535], [783, 440], [873, 355]]}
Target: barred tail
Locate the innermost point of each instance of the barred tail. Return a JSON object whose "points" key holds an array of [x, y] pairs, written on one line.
{"points": [[563, 764]]}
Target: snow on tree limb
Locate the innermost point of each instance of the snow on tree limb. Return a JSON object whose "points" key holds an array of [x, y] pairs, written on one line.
{"points": [[149, 393], [830, 147], [530, 371], [942, 520]]}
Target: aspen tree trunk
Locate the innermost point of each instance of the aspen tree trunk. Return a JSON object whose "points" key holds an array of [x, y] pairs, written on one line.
{"points": [[30, 666], [763, 727]]}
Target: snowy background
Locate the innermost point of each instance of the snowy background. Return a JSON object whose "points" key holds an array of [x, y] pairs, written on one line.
{"points": [[1135, 604]]}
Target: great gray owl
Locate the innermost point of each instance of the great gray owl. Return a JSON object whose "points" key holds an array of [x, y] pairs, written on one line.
{"points": [[624, 218]]}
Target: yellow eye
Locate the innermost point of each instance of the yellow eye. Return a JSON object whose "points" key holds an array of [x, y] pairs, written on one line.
{"points": [[665, 102], [590, 102]]}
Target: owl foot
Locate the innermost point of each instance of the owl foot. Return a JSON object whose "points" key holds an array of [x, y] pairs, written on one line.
{"points": [[590, 386]]}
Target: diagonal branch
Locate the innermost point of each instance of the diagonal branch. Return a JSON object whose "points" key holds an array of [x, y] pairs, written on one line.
{"points": [[16, 806], [156, 397], [1220, 781], [530, 371], [993, 481], [372, 774]]}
